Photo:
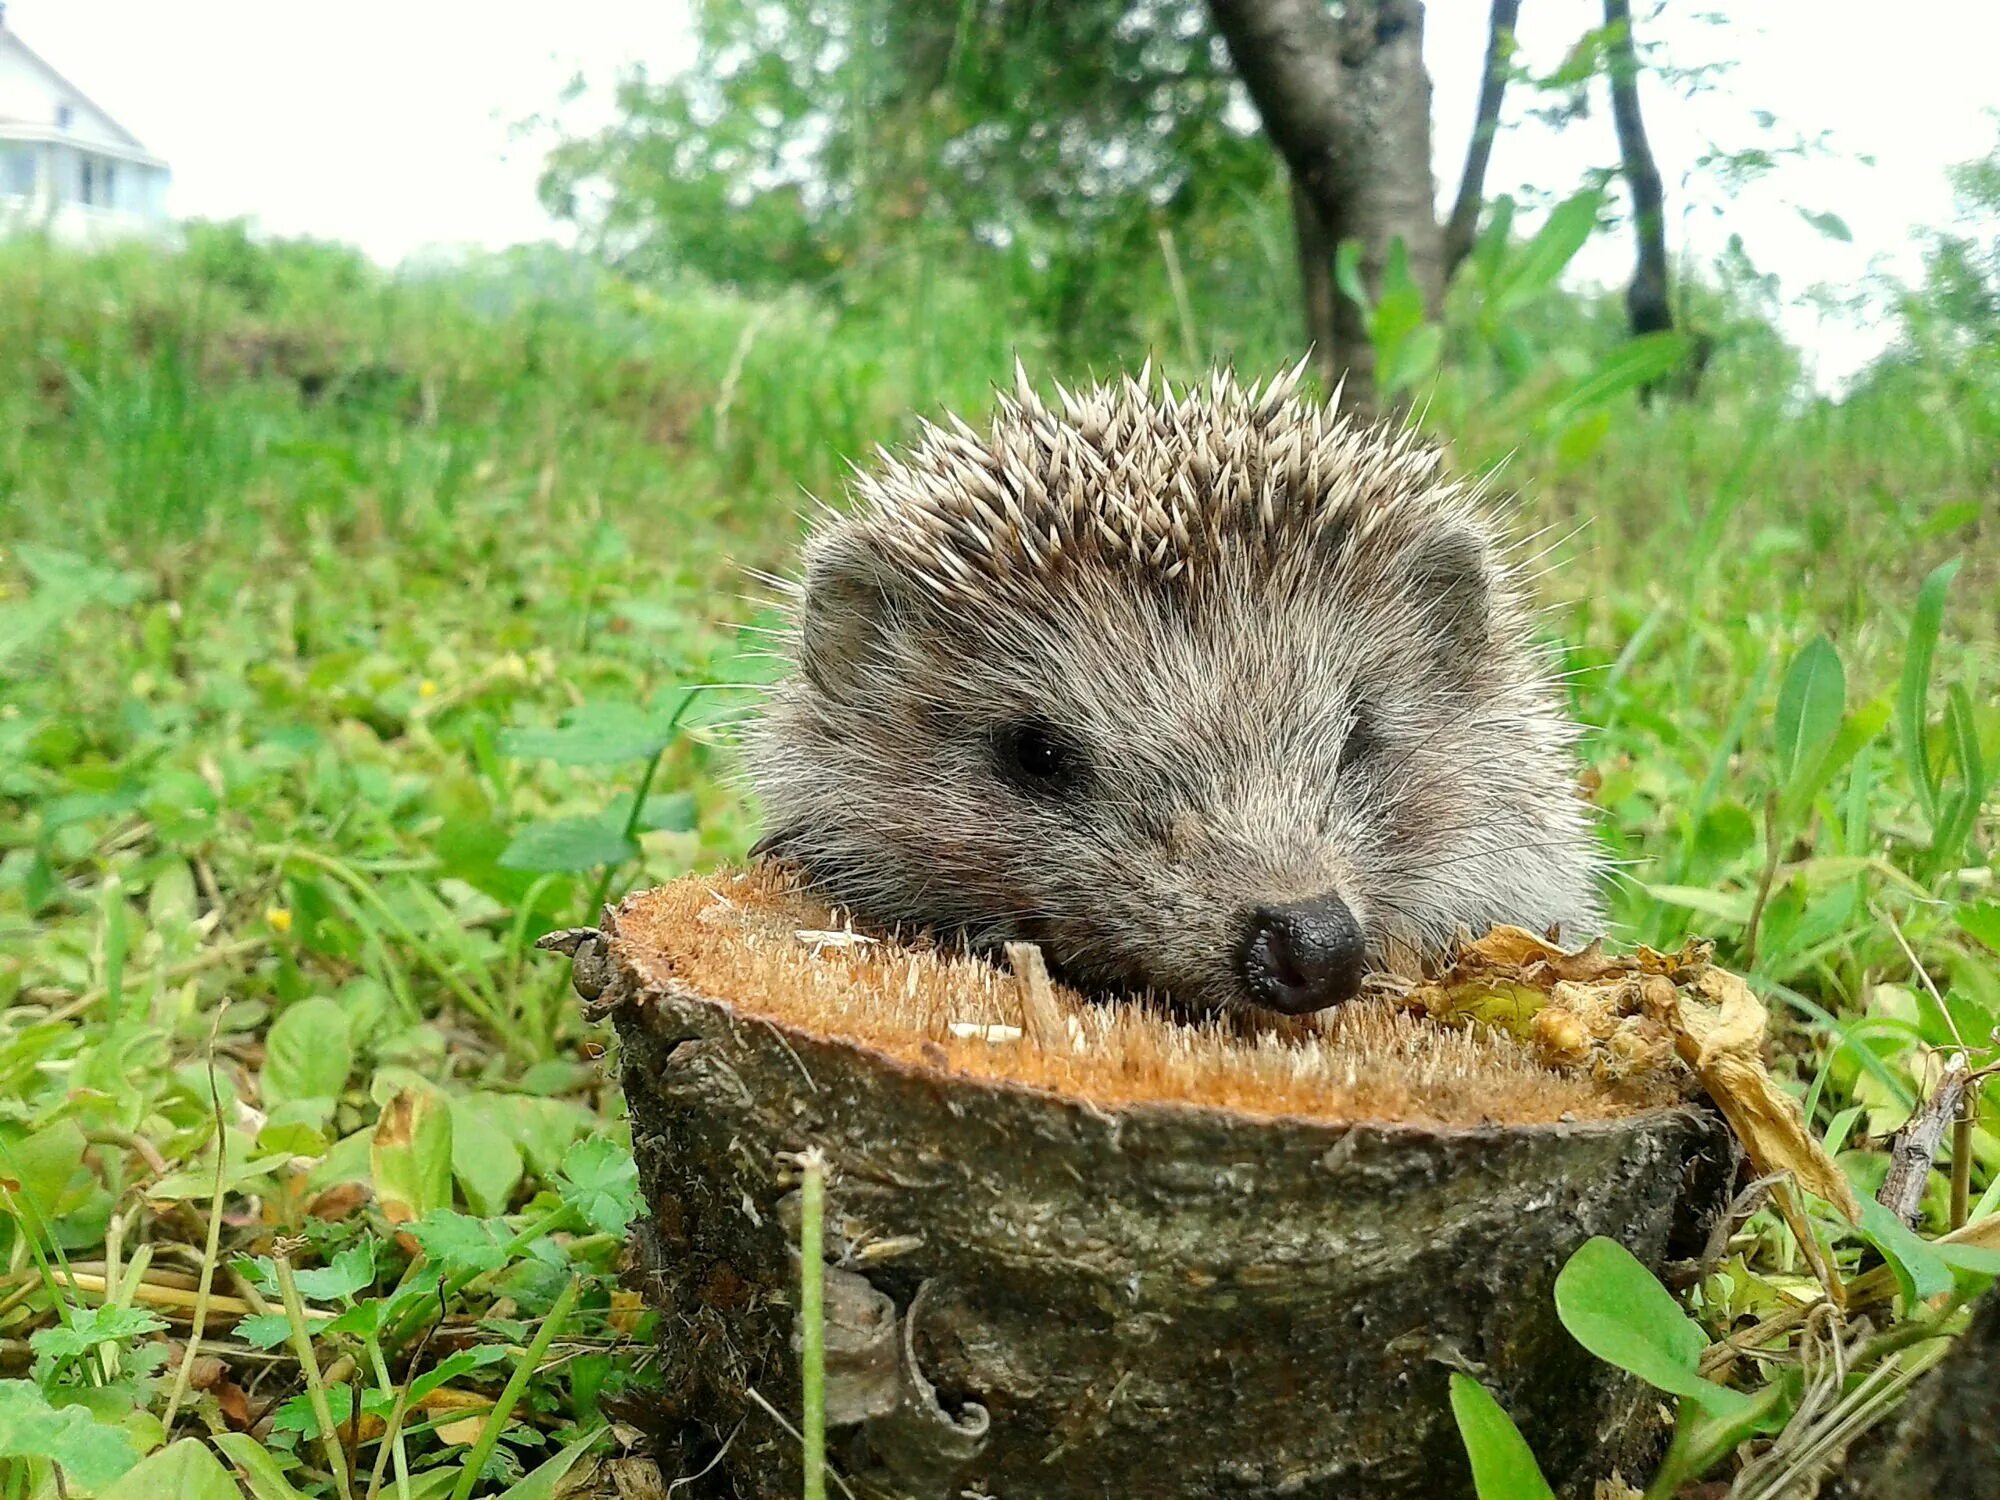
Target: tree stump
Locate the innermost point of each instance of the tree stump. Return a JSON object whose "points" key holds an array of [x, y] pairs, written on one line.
{"points": [[1941, 1444], [1161, 1260]]}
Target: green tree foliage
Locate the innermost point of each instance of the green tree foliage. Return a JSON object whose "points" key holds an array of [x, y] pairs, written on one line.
{"points": [[1960, 303], [1948, 356], [1057, 140]]}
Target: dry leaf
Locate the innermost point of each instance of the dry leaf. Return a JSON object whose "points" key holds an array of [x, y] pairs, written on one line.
{"points": [[446, 1398], [1634, 1015], [409, 1157], [627, 1308], [236, 1407], [465, 1430], [339, 1202], [1561, 1034], [1718, 1027], [637, 1479]]}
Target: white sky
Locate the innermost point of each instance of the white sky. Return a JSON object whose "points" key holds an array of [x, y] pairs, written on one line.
{"points": [[392, 125]]}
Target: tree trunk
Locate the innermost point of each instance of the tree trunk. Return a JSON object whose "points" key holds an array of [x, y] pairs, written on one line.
{"points": [[1347, 103], [1028, 1294], [1462, 228], [1322, 301], [1390, 102], [1647, 302]]}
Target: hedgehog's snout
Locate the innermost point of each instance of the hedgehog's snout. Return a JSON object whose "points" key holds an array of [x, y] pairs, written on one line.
{"points": [[1302, 956]]}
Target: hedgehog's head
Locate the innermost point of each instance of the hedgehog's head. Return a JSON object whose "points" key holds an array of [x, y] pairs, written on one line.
{"points": [[1215, 695]]}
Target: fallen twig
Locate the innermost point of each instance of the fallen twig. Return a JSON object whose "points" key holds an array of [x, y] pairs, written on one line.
{"points": [[1914, 1148]]}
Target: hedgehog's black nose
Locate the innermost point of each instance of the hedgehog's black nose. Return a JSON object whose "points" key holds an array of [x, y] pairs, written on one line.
{"points": [[1303, 956]]}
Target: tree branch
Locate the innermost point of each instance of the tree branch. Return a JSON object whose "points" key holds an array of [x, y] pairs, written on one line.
{"points": [[1462, 228]]}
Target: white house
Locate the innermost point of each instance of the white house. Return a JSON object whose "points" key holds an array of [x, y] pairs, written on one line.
{"points": [[64, 163]]}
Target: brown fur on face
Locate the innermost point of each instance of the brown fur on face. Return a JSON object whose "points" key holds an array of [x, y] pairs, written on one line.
{"points": [[1117, 672]]}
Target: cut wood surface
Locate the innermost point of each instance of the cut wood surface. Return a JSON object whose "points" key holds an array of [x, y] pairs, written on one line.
{"points": [[1160, 1260]]}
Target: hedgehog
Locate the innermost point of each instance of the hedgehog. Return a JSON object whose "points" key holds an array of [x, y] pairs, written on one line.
{"points": [[1214, 694]]}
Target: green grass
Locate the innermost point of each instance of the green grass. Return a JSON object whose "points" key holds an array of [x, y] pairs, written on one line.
{"points": [[305, 575]]}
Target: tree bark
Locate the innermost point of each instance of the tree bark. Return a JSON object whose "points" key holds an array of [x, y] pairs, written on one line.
{"points": [[1940, 1445], [1390, 97], [1323, 304], [1347, 103], [1647, 302], [1289, 54], [1461, 229], [1031, 1295]]}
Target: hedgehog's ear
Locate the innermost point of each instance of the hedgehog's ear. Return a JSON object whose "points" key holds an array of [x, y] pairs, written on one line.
{"points": [[852, 608], [1449, 578]]}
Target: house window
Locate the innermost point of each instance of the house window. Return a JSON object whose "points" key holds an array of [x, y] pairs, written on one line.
{"points": [[17, 171], [96, 181], [65, 115]]}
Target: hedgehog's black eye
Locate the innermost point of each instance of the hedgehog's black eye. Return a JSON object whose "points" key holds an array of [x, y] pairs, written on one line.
{"points": [[1364, 737], [1038, 758]]}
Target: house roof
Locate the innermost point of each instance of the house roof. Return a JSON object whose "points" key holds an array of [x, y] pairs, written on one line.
{"points": [[8, 36]]}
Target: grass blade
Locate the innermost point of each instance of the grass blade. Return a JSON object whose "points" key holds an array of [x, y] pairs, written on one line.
{"points": [[812, 1322], [510, 1394], [1913, 696], [301, 1336]]}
